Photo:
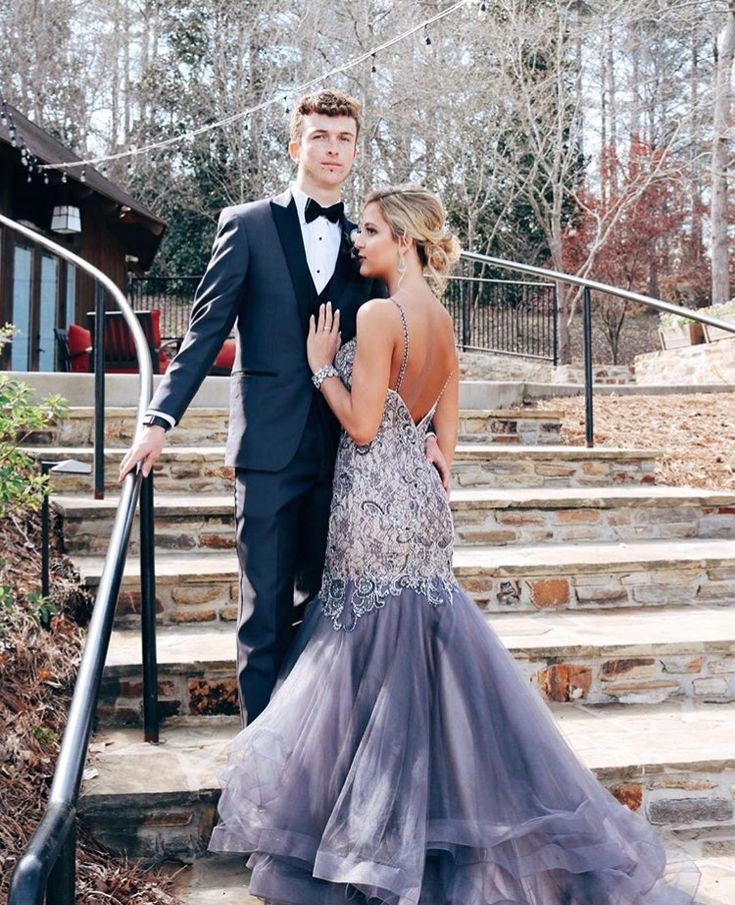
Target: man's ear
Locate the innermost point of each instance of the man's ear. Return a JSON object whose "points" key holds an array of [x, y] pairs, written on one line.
{"points": [[294, 147]]}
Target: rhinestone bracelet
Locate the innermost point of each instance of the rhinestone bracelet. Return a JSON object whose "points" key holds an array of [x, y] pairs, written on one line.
{"points": [[318, 377]]}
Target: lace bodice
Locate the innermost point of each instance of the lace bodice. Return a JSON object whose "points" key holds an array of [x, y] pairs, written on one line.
{"points": [[390, 526]]}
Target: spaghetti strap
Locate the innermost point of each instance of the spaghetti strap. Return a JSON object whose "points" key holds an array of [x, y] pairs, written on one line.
{"points": [[404, 360]]}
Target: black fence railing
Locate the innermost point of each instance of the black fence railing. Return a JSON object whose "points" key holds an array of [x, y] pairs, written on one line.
{"points": [[490, 315], [173, 295], [506, 316]]}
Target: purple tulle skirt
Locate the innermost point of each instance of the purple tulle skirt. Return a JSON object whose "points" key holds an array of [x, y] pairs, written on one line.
{"points": [[410, 761]]}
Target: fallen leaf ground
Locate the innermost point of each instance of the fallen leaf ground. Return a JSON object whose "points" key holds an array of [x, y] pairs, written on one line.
{"points": [[696, 433], [39, 655]]}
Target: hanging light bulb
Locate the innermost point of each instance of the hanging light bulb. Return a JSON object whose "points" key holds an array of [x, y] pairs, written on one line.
{"points": [[482, 11], [83, 176], [427, 37], [372, 65], [63, 177]]}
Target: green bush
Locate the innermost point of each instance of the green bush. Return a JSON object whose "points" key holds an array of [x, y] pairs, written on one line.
{"points": [[21, 485]]}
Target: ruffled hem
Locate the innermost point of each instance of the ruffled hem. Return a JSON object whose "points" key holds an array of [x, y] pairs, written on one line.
{"points": [[455, 874], [411, 763]]}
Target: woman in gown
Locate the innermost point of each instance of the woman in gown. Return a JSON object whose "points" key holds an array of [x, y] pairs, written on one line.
{"points": [[403, 758]]}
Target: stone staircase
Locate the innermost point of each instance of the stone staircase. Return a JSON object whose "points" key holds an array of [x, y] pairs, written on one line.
{"points": [[615, 595]]}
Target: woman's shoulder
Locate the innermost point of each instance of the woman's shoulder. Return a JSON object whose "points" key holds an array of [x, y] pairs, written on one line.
{"points": [[377, 311]]}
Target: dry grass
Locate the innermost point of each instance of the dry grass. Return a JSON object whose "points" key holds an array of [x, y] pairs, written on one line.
{"points": [[38, 665], [696, 433]]}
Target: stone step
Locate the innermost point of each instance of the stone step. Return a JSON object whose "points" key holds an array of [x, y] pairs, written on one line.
{"points": [[673, 762], [631, 657], [208, 427], [123, 390], [224, 879], [187, 469], [559, 515], [201, 586], [481, 516]]}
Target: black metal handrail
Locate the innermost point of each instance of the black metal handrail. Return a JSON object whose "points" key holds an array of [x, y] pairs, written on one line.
{"points": [[47, 865], [588, 286]]}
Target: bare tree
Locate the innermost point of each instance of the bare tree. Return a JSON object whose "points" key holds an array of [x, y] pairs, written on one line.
{"points": [[725, 52]]}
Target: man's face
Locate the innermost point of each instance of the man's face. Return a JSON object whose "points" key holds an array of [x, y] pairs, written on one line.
{"points": [[326, 151]]}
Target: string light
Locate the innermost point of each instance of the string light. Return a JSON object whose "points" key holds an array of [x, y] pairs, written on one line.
{"points": [[427, 37], [300, 89], [372, 65]]}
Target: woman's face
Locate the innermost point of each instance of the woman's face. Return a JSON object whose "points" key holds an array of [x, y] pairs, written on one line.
{"points": [[377, 249]]}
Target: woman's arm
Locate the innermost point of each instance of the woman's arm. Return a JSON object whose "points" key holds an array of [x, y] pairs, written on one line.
{"points": [[359, 411], [446, 417]]}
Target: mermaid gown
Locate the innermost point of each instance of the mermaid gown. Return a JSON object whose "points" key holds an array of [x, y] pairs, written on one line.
{"points": [[403, 758]]}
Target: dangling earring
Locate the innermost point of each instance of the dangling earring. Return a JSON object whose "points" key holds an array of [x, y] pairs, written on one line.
{"points": [[401, 267]]}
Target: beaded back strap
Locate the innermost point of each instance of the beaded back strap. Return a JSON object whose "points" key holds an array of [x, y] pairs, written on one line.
{"points": [[404, 360]]}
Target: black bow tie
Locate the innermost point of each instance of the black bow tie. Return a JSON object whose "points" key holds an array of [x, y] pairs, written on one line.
{"points": [[314, 209]]}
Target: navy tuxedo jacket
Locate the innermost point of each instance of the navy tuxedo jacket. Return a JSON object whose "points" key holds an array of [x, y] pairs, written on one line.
{"points": [[258, 277]]}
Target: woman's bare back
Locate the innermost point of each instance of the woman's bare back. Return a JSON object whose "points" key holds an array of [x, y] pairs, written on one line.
{"points": [[431, 352]]}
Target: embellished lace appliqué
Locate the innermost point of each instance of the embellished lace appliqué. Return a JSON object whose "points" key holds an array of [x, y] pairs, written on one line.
{"points": [[390, 525]]}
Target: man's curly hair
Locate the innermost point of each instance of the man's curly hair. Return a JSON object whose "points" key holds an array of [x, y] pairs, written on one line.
{"points": [[328, 102]]}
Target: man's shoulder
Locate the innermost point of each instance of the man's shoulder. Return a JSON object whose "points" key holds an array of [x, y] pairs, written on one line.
{"points": [[253, 208], [246, 209]]}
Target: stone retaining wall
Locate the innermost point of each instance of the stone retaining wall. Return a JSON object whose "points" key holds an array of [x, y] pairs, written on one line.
{"points": [[485, 525], [607, 374], [645, 585], [709, 363], [531, 472], [494, 366]]}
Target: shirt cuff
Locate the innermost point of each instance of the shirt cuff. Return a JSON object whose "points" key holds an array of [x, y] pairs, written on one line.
{"points": [[171, 420]]}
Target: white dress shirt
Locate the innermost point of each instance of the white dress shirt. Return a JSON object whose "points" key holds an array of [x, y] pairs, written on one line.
{"points": [[321, 242]]}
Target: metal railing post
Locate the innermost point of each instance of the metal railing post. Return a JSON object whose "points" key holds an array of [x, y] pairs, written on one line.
{"points": [[555, 325], [148, 612], [466, 316], [99, 392], [588, 386], [61, 886]]}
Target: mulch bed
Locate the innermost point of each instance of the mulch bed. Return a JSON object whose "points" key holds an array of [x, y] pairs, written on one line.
{"points": [[696, 433], [39, 656]]}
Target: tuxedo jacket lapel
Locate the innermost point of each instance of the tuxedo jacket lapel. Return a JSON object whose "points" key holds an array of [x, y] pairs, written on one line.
{"points": [[286, 218]]}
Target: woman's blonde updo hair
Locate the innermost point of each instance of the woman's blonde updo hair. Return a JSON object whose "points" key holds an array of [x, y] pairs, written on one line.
{"points": [[415, 212]]}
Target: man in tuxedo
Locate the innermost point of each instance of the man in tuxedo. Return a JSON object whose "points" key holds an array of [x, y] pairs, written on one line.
{"points": [[273, 262]]}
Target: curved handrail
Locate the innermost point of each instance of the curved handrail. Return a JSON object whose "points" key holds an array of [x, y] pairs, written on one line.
{"points": [[594, 286], [32, 870]]}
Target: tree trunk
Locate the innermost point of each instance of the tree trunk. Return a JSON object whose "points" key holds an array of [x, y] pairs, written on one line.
{"points": [[725, 50], [697, 234]]}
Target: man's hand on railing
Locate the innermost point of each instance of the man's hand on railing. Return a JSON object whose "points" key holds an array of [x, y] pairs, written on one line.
{"points": [[147, 450]]}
